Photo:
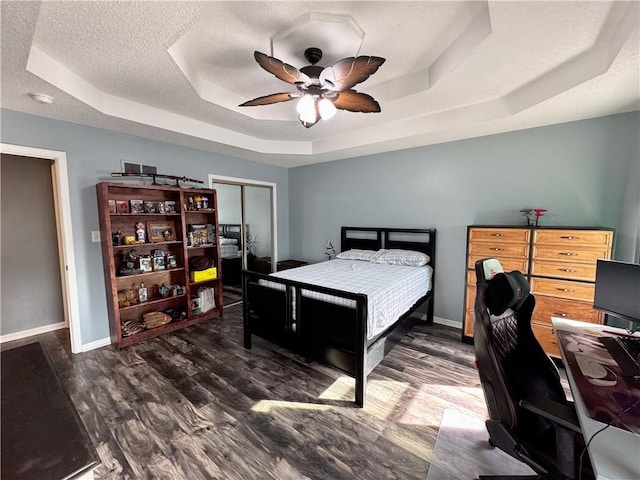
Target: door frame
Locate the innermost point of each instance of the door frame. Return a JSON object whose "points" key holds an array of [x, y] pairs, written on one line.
{"points": [[246, 182], [66, 254]]}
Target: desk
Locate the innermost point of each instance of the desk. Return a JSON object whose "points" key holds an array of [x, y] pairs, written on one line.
{"points": [[614, 453]]}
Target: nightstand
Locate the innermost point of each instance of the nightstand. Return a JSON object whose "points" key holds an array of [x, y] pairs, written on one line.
{"points": [[263, 264]]}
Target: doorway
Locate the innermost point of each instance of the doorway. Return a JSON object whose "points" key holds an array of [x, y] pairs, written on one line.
{"points": [[247, 228], [65, 254]]}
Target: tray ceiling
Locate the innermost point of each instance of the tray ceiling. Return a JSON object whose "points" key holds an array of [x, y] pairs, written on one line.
{"points": [[176, 71]]}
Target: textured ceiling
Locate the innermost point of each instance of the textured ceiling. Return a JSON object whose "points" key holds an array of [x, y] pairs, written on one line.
{"points": [[176, 71]]}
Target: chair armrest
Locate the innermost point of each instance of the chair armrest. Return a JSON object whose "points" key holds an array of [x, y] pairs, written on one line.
{"points": [[558, 413]]}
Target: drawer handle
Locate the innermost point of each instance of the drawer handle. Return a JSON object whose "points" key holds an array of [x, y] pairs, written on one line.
{"points": [[568, 254], [566, 289], [569, 237], [496, 249], [568, 270], [560, 314], [498, 234]]}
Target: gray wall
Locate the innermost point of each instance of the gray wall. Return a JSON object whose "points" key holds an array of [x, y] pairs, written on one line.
{"points": [[91, 155], [31, 286], [584, 172]]}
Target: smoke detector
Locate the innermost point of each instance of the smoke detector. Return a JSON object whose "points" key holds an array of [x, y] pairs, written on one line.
{"points": [[42, 98]]}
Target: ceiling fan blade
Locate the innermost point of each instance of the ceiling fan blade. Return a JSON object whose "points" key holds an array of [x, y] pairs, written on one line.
{"points": [[269, 99], [283, 71], [349, 72], [353, 101]]}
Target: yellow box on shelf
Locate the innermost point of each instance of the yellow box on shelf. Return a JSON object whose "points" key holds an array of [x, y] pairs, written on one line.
{"points": [[204, 275]]}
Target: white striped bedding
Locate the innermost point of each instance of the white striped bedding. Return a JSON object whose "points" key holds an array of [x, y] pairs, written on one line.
{"points": [[391, 289]]}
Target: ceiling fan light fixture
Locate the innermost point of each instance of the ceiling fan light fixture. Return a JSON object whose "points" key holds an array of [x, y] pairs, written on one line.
{"points": [[327, 108], [306, 108]]}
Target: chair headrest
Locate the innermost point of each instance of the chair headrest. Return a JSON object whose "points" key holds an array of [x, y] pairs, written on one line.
{"points": [[506, 290], [491, 268]]}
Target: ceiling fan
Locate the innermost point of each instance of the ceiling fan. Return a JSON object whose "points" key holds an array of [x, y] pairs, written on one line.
{"points": [[321, 90]]}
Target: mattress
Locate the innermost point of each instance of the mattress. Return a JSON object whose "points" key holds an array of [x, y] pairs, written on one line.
{"points": [[391, 289]]}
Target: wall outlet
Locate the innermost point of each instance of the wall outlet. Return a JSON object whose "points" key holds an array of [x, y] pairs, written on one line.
{"points": [[95, 236]]}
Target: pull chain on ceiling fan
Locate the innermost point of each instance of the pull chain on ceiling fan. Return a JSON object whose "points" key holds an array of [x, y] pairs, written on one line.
{"points": [[321, 90]]}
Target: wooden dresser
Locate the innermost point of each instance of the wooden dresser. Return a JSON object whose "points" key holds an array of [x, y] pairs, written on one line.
{"points": [[559, 262]]}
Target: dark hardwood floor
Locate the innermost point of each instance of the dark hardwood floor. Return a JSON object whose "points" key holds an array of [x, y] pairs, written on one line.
{"points": [[195, 404]]}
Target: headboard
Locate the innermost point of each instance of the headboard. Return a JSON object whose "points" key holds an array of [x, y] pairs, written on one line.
{"points": [[366, 238]]}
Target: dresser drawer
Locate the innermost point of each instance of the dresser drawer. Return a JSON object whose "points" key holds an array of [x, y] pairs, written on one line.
{"points": [[574, 271], [570, 254], [547, 339], [508, 264], [510, 235], [591, 238], [502, 249], [547, 307], [471, 277], [563, 289]]}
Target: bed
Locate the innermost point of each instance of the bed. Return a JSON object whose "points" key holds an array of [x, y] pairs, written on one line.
{"points": [[330, 321], [231, 252]]}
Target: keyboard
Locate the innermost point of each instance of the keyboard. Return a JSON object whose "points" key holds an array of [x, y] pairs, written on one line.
{"points": [[626, 352]]}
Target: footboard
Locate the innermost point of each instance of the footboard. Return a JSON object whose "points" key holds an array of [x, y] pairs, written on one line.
{"points": [[280, 310]]}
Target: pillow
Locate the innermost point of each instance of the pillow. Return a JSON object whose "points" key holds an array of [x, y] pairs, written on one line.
{"points": [[401, 257], [228, 241], [364, 255]]}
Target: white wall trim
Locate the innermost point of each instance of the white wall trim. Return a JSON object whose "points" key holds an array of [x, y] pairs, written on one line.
{"points": [[447, 322], [65, 229], [103, 342], [9, 337]]}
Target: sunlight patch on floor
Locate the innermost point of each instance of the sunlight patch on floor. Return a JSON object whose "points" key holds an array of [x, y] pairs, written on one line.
{"points": [[265, 406], [382, 395], [342, 389], [420, 410]]}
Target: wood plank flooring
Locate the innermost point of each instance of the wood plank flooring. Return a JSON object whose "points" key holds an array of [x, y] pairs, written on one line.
{"points": [[195, 404]]}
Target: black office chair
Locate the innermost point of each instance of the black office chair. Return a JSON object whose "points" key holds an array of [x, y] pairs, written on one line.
{"points": [[529, 415]]}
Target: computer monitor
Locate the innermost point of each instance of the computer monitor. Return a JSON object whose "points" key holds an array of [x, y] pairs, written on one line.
{"points": [[618, 290]]}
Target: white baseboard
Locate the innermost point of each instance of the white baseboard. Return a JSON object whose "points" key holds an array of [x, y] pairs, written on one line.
{"points": [[103, 342], [32, 331], [447, 322]]}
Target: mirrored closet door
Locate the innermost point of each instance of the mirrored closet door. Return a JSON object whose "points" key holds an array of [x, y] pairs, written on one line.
{"points": [[246, 214]]}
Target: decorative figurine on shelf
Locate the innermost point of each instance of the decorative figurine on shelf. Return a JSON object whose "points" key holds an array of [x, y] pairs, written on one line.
{"points": [[163, 291], [140, 233], [129, 264], [205, 203], [142, 293], [539, 212], [116, 238]]}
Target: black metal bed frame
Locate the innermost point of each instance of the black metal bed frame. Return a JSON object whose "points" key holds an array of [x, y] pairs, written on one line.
{"points": [[333, 334]]}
